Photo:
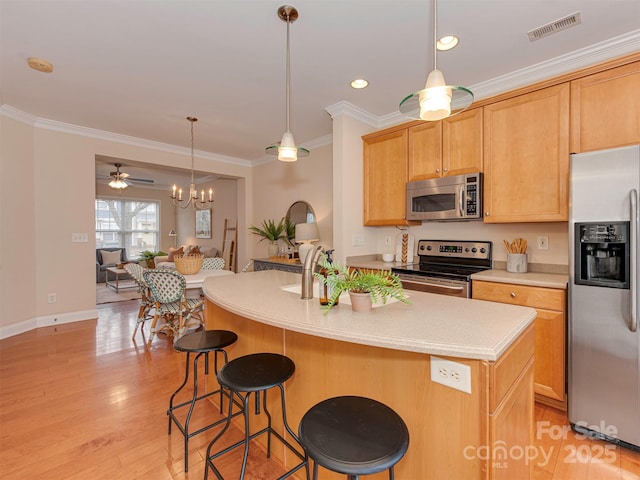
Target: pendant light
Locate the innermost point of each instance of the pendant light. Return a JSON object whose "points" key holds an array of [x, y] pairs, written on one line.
{"points": [[437, 100], [286, 150], [193, 201]]}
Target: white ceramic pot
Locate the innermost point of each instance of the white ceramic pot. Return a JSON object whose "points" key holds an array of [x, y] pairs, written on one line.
{"points": [[273, 249], [360, 302]]}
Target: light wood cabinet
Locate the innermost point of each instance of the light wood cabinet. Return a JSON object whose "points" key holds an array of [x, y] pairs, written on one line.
{"points": [[526, 157], [605, 109], [385, 178], [450, 147], [550, 332]]}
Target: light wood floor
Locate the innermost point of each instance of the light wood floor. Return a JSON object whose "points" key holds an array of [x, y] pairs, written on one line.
{"points": [[83, 401]]}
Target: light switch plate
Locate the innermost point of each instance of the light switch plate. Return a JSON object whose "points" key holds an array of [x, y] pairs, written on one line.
{"points": [[79, 237]]}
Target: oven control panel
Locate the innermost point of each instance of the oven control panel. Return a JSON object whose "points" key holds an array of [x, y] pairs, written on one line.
{"points": [[455, 249]]}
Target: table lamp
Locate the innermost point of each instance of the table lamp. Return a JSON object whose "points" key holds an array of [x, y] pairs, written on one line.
{"points": [[305, 234]]}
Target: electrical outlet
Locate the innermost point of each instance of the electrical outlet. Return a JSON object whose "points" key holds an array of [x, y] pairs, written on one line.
{"points": [[52, 298], [451, 374], [387, 240], [358, 240], [542, 242]]}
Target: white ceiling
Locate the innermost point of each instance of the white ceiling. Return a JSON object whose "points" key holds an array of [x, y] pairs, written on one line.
{"points": [[138, 68]]}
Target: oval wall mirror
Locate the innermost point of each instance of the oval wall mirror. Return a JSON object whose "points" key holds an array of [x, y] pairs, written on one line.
{"points": [[301, 212]]}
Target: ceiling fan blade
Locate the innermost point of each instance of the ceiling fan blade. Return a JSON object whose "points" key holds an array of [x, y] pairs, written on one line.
{"points": [[141, 180]]}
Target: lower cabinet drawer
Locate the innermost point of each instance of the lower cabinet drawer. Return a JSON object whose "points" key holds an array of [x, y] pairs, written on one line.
{"points": [[550, 331]]}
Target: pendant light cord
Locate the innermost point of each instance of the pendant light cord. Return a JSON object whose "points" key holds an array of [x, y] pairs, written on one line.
{"points": [[435, 35], [192, 122], [288, 69]]}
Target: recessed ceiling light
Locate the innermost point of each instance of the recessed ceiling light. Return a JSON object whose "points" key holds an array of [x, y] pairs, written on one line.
{"points": [[359, 83], [40, 64], [447, 42]]}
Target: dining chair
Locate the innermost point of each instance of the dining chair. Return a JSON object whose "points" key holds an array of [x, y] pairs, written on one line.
{"points": [[146, 300], [213, 263], [171, 303]]}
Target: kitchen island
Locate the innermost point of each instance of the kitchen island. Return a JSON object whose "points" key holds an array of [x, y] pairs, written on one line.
{"points": [[387, 354]]}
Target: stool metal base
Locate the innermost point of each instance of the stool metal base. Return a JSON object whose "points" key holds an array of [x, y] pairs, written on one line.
{"points": [[201, 348], [273, 370]]}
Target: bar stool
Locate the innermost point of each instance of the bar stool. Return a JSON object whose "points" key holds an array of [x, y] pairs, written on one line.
{"points": [[353, 436], [255, 373], [200, 343]]}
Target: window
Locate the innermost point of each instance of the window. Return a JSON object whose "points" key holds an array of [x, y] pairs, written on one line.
{"points": [[132, 224]]}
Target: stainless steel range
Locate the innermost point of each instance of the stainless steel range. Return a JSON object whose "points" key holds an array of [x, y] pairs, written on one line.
{"points": [[445, 266]]}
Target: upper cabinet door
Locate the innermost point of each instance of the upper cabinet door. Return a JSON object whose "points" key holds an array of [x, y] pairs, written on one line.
{"points": [[385, 178], [605, 109], [462, 143], [450, 147], [425, 151], [526, 157]]}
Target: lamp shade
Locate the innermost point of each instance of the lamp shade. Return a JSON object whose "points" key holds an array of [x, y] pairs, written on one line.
{"points": [[307, 232]]}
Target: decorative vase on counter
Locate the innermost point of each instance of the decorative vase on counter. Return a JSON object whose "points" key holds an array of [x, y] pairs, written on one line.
{"points": [[360, 302], [273, 249]]}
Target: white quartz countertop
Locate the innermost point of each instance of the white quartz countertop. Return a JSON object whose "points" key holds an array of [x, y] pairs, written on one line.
{"points": [[432, 324], [534, 279]]}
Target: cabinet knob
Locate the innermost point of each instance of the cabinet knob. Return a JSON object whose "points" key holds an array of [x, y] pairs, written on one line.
{"points": [[513, 294], [445, 169], [486, 214]]}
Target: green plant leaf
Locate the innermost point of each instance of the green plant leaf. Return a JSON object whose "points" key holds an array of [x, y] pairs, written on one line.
{"points": [[379, 284], [270, 230]]}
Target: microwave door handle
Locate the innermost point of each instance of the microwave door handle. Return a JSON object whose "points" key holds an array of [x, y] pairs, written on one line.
{"points": [[633, 261], [461, 202]]}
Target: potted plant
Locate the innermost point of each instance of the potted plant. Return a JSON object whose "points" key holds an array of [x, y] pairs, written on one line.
{"points": [[149, 257], [364, 286], [272, 231]]}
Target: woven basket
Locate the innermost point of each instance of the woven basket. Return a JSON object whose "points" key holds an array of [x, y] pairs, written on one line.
{"points": [[189, 264]]}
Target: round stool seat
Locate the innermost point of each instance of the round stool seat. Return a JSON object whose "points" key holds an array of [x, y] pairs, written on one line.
{"points": [[205, 341], [255, 372], [354, 435]]}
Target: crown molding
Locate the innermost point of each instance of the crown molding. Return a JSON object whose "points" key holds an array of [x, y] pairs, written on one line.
{"points": [[576, 60], [63, 127]]}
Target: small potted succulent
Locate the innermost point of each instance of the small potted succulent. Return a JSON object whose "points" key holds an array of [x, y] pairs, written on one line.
{"points": [[149, 257], [272, 231], [364, 286]]}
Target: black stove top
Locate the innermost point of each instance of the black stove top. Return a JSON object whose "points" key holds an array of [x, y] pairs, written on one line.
{"points": [[456, 260]]}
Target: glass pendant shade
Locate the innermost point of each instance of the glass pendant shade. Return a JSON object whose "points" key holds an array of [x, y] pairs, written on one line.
{"points": [[287, 151], [437, 100]]}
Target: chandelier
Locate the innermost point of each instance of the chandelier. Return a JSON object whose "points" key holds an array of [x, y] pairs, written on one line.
{"points": [[437, 100], [197, 203], [286, 149]]}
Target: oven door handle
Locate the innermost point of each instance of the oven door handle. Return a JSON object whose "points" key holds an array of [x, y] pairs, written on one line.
{"points": [[422, 286]]}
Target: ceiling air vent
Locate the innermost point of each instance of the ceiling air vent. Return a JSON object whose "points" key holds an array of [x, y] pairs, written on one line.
{"points": [[555, 26]]}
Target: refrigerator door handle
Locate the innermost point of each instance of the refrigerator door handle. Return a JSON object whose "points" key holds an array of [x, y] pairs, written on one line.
{"points": [[633, 279]]}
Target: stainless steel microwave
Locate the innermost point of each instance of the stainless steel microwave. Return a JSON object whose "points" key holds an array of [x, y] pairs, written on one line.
{"points": [[458, 197]]}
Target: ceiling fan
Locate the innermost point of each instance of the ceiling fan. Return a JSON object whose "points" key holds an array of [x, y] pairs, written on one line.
{"points": [[121, 180]]}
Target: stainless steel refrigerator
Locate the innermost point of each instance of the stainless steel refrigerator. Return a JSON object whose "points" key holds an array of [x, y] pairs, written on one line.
{"points": [[604, 338]]}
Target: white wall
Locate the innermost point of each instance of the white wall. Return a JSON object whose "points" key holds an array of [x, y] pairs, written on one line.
{"points": [[279, 184], [48, 192]]}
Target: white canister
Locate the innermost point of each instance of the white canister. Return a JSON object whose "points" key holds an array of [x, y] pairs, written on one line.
{"points": [[517, 262]]}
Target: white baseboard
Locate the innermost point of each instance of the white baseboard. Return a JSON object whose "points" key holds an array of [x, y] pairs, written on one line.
{"points": [[46, 321]]}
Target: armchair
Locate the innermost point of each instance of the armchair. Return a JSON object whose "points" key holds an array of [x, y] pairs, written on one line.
{"points": [[101, 266]]}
